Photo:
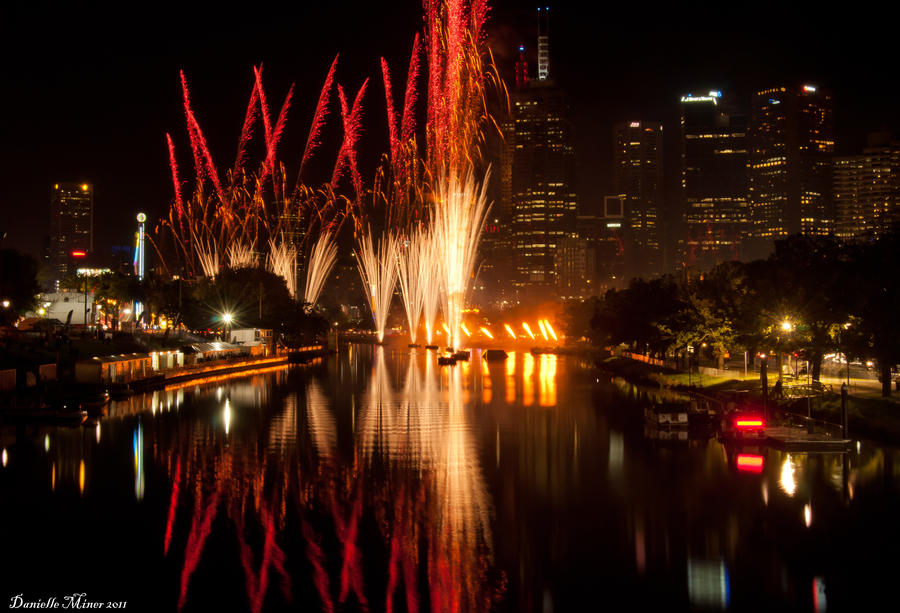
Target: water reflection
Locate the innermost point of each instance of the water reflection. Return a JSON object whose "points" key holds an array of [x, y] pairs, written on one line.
{"points": [[380, 481]]}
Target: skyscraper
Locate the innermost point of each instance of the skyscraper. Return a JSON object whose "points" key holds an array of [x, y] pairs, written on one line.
{"points": [[71, 228], [867, 190], [542, 179], [713, 179], [791, 144], [638, 180]]}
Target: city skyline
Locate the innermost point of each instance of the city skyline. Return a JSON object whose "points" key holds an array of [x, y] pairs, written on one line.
{"points": [[111, 131]]}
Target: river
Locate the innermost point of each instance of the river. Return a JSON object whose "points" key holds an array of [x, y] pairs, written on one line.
{"points": [[376, 480]]}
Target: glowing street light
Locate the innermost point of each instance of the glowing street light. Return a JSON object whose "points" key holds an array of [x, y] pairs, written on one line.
{"points": [[227, 318], [787, 326]]}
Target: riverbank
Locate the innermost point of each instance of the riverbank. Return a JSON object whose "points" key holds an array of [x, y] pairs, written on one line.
{"points": [[871, 417]]}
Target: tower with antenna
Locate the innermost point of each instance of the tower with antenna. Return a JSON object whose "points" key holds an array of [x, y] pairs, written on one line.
{"points": [[543, 43]]}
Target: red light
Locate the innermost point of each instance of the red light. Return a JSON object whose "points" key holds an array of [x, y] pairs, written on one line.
{"points": [[750, 463], [749, 423], [79, 254]]}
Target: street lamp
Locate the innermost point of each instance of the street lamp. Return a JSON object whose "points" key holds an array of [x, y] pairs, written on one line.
{"points": [[787, 326]]}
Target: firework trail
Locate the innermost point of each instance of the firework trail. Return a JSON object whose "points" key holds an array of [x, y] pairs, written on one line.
{"points": [[282, 261], [246, 130], [408, 125], [202, 156], [392, 119], [321, 261], [179, 201], [412, 272], [318, 122], [378, 270], [460, 209], [352, 128]]}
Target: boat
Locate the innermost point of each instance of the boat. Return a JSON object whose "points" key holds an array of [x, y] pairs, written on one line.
{"points": [[462, 355], [446, 360], [431, 347], [495, 355], [667, 415], [414, 345]]}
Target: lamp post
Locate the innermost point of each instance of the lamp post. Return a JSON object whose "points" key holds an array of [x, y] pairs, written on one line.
{"points": [[227, 319]]}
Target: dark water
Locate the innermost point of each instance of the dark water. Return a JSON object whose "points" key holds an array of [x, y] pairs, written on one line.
{"points": [[376, 481]]}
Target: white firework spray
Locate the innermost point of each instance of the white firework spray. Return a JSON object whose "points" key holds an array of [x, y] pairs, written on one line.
{"points": [[413, 266], [460, 210], [378, 270], [282, 261], [321, 261]]}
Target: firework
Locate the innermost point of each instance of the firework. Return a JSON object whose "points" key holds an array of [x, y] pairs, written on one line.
{"points": [[413, 270], [459, 212], [378, 270], [321, 261], [315, 130], [241, 255], [282, 261], [430, 275]]}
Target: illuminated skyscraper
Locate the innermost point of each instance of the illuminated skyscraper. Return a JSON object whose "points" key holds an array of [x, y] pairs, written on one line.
{"points": [[867, 190], [791, 144], [638, 180], [542, 179], [71, 228], [713, 179]]}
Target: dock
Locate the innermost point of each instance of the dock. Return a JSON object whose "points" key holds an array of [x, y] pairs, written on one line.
{"points": [[798, 439]]}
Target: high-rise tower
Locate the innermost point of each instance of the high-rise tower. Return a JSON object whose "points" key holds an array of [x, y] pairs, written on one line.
{"points": [[543, 208], [791, 144], [713, 179], [71, 228], [638, 180]]}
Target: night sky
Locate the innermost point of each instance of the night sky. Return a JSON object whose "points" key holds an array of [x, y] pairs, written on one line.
{"points": [[89, 94]]}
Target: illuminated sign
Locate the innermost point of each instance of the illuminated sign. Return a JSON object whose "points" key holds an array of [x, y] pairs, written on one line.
{"points": [[635, 124], [715, 94], [79, 254], [809, 88], [690, 98]]}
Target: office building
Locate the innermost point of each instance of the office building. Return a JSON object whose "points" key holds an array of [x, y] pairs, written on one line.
{"points": [[638, 181], [713, 180], [543, 202], [791, 145], [71, 229], [866, 190]]}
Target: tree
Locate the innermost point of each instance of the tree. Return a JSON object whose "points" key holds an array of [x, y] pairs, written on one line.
{"points": [[874, 296], [255, 298], [18, 284]]}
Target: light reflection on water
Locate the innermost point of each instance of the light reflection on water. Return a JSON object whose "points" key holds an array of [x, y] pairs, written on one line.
{"points": [[380, 481]]}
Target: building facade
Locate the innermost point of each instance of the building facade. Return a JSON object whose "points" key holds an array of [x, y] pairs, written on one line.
{"points": [[638, 181], [71, 229], [866, 190], [543, 201], [791, 146], [713, 180]]}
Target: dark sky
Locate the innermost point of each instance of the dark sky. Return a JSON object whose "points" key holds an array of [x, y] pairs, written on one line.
{"points": [[89, 94]]}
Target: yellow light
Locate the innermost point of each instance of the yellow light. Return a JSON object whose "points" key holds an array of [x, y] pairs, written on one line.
{"points": [[486, 332], [787, 482], [528, 329], [510, 330], [446, 328], [550, 329], [543, 329], [84, 187], [787, 326], [81, 477], [465, 329]]}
